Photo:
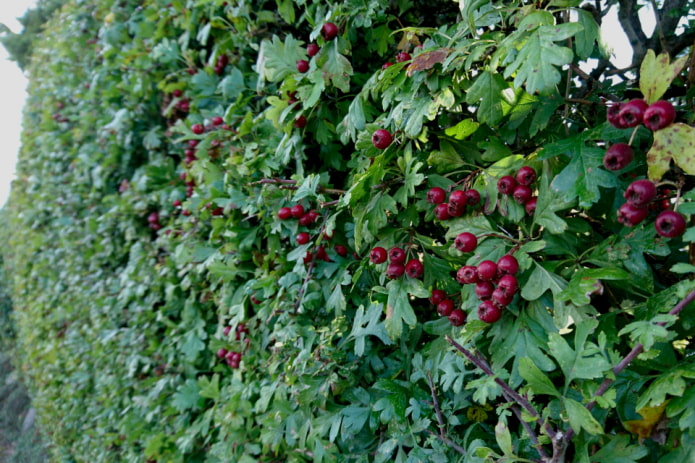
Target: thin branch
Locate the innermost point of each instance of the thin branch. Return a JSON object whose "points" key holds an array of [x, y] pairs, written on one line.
{"points": [[630, 22], [448, 442], [435, 402]]}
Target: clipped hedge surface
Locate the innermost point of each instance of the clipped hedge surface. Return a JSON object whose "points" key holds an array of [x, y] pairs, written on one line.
{"points": [[161, 140]]}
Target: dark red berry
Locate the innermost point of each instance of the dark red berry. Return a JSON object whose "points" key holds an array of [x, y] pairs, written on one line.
{"points": [[472, 197], [445, 307], [178, 93], [300, 121], [613, 115], [500, 297], [526, 175], [322, 254], [506, 184], [456, 210], [670, 224], [437, 296], [484, 289], [618, 156], [217, 120], [441, 211], [197, 129], [457, 317], [632, 112], [341, 250], [387, 65], [507, 265], [508, 284], [640, 192], [468, 274], [414, 268], [303, 238], [487, 270], [302, 66], [630, 215], [177, 203], [402, 56], [394, 270], [397, 255], [458, 198], [284, 213], [659, 115], [381, 139], [378, 255], [530, 205], [312, 49], [466, 242], [297, 211], [222, 353], [489, 312], [436, 195], [329, 31], [522, 194]]}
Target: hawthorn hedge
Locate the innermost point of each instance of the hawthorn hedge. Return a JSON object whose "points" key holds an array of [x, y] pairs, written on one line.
{"points": [[207, 191]]}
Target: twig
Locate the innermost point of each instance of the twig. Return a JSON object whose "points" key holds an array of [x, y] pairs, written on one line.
{"points": [[292, 185], [435, 402]]}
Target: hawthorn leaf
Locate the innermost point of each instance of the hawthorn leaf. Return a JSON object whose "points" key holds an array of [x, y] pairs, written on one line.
{"points": [[584, 175], [585, 39], [536, 379], [582, 362], [675, 142], [398, 310], [277, 59], [541, 280], [187, 396], [368, 324], [587, 281], [335, 67], [620, 450], [487, 92], [581, 418], [657, 73], [210, 387], [503, 438]]}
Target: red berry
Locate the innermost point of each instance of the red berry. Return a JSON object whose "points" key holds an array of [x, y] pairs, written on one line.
{"points": [[508, 284], [284, 213], [153, 217], [526, 175], [670, 224], [458, 198], [322, 254], [441, 211], [500, 297], [341, 250], [329, 31], [506, 184], [456, 210], [297, 211], [457, 317], [466, 242], [618, 156], [300, 121], [507, 265], [445, 307], [394, 270], [177, 203], [436, 195], [378, 255], [308, 218], [522, 194], [414, 268], [312, 49], [484, 289], [472, 197], [397, 255], [613, 115], [302, 66], [487, 270], [303, 238], [197, 129], [222, 353], [489, 312], [217, 120], [387, 65], [640, 193], [178, 93], [402, 56], [468, 274], [630, 215], [659, 115], [437, 296], [632, 112], [381, 139], [530, 206]]}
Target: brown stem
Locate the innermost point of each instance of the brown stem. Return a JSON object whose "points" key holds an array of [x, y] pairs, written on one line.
{"points": [[440, 420]]}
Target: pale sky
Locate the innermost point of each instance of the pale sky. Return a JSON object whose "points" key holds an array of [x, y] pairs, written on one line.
{"points": [[13, 85], [12, 96]]}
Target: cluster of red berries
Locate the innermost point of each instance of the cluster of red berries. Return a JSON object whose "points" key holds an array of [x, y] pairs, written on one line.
{"points": [[221, 63], [183, 104], [495, 285], [639, 195], [397, 262], [329, 31], [233, 358], [518, 186], [297, 211], [453, 206], [656, 116], [445, 307], [153, 220]]}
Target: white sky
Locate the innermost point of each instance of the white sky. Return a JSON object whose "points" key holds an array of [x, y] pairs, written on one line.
{"points": [[13, 84]]}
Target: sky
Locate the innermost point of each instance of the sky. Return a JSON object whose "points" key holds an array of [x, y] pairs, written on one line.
{"points": [[13, 88], [12, 96]]}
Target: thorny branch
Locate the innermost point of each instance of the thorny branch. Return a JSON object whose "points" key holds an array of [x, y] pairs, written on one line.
{"points": [[440, 421]]}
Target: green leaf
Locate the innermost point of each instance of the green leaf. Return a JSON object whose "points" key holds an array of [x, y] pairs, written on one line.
{"points": [[585, 39], [536, 379], [276, 59], [540, 281], [334, 67], [187, 396], [619, 450], [374, 327], [581, 418], [583, 362], [487, 91], [504, 438], [587, 281], [398, 310], [657, 73], [675, 142], [584, 175], [648, 332], [210, 388], [549, 202]]}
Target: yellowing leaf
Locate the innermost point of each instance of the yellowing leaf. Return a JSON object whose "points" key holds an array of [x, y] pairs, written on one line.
{"points": [[675, 142], [650, 418], [657, 73]]}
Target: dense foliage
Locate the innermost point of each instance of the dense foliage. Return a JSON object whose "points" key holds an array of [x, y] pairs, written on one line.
{"points": [[193, 238]]}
